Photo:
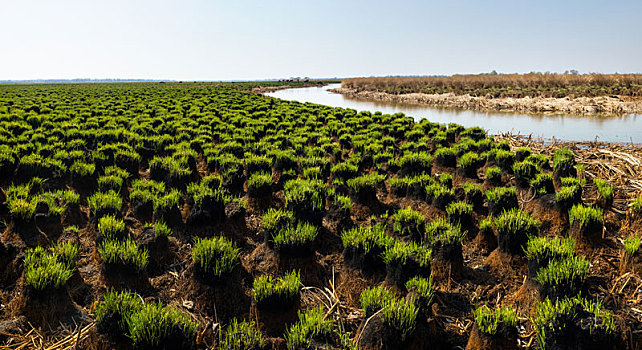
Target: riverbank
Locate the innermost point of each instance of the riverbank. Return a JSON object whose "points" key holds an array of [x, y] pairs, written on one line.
{"points": [[579, 106], [268, 89]]}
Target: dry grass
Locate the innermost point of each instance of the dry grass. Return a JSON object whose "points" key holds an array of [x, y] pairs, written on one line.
{"points": [[619, 164], [507, 85]]}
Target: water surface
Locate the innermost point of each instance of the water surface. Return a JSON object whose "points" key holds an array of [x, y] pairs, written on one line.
{"points": [[626, 128]]}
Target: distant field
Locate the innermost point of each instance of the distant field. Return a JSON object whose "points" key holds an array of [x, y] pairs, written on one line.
{"points": [[507, 85]]}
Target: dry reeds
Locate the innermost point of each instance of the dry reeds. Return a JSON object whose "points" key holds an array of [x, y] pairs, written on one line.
{"points": [[506, 85], [619, 164]]}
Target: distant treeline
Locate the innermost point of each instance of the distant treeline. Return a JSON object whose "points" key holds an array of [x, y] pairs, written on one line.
{"points": [[507, 85]]}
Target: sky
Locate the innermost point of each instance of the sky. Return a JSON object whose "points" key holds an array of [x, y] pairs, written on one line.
{"points": [[247, 40]]}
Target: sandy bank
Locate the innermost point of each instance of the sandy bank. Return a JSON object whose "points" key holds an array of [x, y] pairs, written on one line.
{"points": [[580, 105], [268, 89]]}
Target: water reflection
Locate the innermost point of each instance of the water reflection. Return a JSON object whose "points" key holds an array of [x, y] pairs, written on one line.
{"points": [[560, 126]]}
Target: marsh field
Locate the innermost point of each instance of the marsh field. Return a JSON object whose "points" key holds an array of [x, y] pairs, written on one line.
{"points": [[207, 216]]}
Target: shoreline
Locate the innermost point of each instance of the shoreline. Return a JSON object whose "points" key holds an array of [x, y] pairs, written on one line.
{"points": [[268, 89], [578, 106]]}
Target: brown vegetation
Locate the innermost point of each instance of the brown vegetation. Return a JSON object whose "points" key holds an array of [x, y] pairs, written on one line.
{"points": [[506, 85]]}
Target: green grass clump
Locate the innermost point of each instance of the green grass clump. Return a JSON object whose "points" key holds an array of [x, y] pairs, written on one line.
{"points": [[474, 194], [569, 196], [564, 162], [313, 173], [206, 195], [345, 170], [17, 191], [101, 203], [604, 190], [585, 217], [295, 236], [524, 171], [446, 156], [513, 228], [469, 162], [553, 321], [153, 324], [305, 193], [215, 256], [259, 184], [543, 184], [564, 276], [540, 160], [423, 288], [549, 249], [111, 228], [53, 202], [110, 183], [522, 153], [367, 238], [257, 163], [632, 245], [489, 320], [43, 270], [21, 209], [276, 219], [441, 195], [266, 287], [116, 307], [494, 175], [409, 222], [446, 180], [125, 254], [501, 199], [241, 336], [374, 299], [459, 212], [415, 163], [572, 181], [66, 253], [516, 221], [161, 230], [312, 325], [400, 316], [400, 252], [165, 203], [486, 224], [344, 203], [442, 232], [82, 169], [505, 159], [637, 205], [366, 183]]}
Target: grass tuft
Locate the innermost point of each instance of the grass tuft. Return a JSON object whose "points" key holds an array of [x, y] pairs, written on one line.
{"points": [[295, 236], [125, 254], [43, 270], [241, 336], [266, 287], [490, 320], [312, 325], [215, 256]]}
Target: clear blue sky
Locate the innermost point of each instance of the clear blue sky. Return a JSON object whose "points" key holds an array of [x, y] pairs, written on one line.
{"points": [[222, 40]]}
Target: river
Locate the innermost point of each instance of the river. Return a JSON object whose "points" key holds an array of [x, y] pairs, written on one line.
{"points": [[626, 129]]}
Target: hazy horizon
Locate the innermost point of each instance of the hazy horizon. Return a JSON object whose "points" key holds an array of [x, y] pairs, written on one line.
{"points": [[251, 40]]}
